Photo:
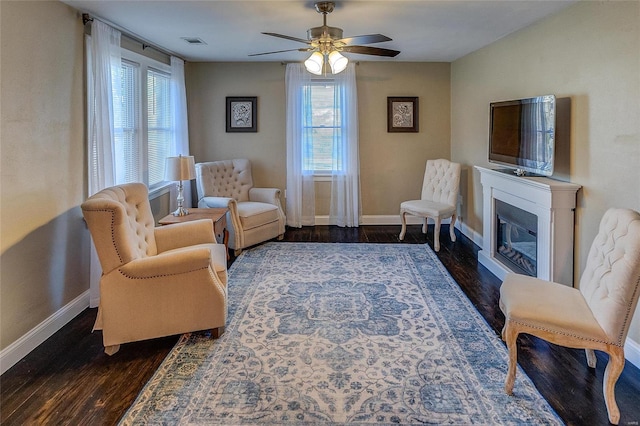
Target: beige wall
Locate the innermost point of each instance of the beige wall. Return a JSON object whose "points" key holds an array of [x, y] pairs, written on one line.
{"points": [[391, 164], [589, 53], [44, 241]]}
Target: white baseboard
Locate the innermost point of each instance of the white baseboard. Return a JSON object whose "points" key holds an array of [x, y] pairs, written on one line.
{"points": [[632, 352], [13, 353], [379, 220], [470, 233]]}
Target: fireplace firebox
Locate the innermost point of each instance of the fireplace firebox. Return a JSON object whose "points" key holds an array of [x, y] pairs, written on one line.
{"points": [[516, 238]]}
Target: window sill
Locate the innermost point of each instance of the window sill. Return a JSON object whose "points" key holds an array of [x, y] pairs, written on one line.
{"points": [[160, 190], [322, 178]]}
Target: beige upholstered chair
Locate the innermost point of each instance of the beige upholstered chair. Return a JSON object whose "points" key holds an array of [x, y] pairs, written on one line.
{"points": [[255, 214], [595, 316], [155, 281], [438, 200]]}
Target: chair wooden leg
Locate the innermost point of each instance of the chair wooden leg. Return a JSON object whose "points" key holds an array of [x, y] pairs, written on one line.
{"points": [[452, 232], [403, 231], [217, 332], [510, 336], [591, 358], [436, 234], [110, 350], [611, 374]]}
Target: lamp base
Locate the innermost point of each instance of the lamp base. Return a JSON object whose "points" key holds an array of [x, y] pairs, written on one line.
{"points": [[181, 211]]}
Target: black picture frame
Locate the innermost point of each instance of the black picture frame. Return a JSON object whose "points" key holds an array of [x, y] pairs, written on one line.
{"points": [[402, 114], [242, 114]]}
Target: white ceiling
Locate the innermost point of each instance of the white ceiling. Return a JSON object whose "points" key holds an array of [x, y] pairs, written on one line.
{"points": [[423, 30]]}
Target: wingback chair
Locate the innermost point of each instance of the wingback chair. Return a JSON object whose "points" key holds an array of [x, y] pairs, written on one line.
{"points": [[255, 214], [595, 316], [156, 281], [438, 200]]}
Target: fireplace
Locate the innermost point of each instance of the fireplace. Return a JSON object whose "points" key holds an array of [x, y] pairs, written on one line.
{"points": [[516, 238], [527, 225]]}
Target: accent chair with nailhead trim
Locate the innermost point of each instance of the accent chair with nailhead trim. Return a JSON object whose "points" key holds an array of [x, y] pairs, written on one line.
{"points": [[596, 315], [156, 281]]}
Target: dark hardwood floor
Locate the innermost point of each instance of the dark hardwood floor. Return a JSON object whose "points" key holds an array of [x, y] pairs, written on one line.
{"points": [[69, 380]]}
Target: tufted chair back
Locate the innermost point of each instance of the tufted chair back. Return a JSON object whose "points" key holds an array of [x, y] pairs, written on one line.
{"points": [[441, 181], [226, 178], [610, 282], [121, 224]]}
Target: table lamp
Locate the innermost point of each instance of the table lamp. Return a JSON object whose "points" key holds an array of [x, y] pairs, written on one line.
{"points": [[180, 168]]}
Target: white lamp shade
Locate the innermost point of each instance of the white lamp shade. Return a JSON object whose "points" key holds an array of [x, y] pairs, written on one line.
{"points": [[314, 63], [337, 61], [182, 167]]}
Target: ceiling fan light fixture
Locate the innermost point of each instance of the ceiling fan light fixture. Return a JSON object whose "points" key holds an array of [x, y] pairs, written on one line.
{"points": [[314, 63], [337, 61]]}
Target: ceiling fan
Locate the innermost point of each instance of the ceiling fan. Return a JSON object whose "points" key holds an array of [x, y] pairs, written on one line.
{"points": [[327, 42]]}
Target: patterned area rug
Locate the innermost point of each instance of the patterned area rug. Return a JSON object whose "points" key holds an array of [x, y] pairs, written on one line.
{"points": [[341, 333]]}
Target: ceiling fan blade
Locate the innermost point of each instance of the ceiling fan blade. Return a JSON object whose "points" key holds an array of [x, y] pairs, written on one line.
{"points": [[365, 39], [301, 40], [366, 50], [302, 49]]}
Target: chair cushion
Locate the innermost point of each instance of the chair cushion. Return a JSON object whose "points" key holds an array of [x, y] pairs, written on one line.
{"points": [[253, 214], [427, 208], [549, 306]]}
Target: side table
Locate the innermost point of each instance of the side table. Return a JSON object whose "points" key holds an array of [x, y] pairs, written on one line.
{"points": [[217, 215]]}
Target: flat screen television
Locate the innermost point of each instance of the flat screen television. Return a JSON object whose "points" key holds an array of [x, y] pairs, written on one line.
{"points": [[522, 134]]}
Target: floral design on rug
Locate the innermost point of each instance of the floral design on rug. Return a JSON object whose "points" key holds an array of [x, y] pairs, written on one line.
{"points": [[337, 334], [338, 310]]}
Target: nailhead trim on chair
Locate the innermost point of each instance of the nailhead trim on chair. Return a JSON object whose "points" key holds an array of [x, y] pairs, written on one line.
{"points": [[628, 316], [537, 327], [159, 275], [113, 236]]}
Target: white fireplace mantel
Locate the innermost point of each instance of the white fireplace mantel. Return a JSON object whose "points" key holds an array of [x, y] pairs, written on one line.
{"points": [[552, 201]]}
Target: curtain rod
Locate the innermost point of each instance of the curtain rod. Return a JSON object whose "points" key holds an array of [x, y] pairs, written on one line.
{"points": [[130, 35]]}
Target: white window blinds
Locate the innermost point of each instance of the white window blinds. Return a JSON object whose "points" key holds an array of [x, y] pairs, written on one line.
{"points": [[158, 123]]}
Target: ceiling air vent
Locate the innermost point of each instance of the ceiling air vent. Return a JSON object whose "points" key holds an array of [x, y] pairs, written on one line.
{"points": [[193, 40]]}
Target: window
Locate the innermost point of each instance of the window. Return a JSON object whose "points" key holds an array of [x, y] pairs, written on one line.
{"points": [[321, 127], [142, 118], [159, 124]]}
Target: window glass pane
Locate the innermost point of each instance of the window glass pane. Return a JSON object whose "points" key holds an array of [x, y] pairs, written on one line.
{"points": [[127, 154], [159, 124], [322, 128]]}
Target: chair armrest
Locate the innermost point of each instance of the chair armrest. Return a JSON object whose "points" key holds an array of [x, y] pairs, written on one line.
{"points": [[216, 202], [265, 195], [174, 263], [184, 234]]}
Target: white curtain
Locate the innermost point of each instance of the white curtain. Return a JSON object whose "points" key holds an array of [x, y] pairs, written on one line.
{"points": [[180, 125], [345, 174], [300, 194], [103, 66]]}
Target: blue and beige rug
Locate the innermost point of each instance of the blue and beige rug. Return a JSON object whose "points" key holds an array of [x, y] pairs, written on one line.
{"points": [[341, 333]]}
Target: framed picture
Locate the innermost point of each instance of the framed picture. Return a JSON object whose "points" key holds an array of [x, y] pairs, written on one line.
{"points": [[242, 113], [402, 114]]}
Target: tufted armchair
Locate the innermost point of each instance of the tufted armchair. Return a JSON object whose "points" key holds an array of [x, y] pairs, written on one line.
{"points": [[155, 281], [595, 316], [255, 214], [438, 200]]}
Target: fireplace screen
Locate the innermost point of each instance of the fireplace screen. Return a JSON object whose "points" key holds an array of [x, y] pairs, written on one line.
{"points": [[516, 242]]}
